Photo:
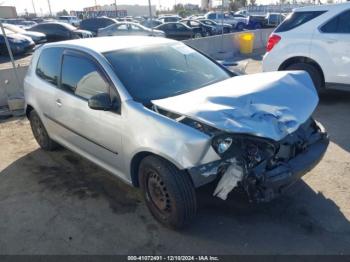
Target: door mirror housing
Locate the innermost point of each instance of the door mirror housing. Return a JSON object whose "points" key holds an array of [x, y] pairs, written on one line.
{"points": [[100, 102]]}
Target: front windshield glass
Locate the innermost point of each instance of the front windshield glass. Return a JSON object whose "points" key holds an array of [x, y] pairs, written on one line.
{"points": [[165, 70]]}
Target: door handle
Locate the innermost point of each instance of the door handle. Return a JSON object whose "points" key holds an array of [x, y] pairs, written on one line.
{"points": [[58, 102], [331, 40]]}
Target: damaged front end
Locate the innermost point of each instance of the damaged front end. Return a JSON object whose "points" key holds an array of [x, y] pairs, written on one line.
{"points": [[262, 167]]}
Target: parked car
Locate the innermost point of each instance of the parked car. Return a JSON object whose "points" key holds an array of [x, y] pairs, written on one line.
{"points": [[169, 18], [165, 118], [93, 24], [207, 30], [72, 20], [238, 23], [226, 28], [128, 28], [179, 31], [257, 22], [57, 31], [314, 39], [151, 23], [19, 44], [20, 22], [37, 37]]}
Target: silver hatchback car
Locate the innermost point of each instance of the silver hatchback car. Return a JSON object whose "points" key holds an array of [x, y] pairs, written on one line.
{"points": [[164, 117]]}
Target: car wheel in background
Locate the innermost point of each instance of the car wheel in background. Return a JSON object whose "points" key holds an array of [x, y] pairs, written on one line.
{"points": [[240, 26], [197, 35], [312, 71], [257, 26], [40, 133], [169, 193]]}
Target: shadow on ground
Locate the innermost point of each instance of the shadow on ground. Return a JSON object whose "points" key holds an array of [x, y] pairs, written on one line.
{"points": [[333, 112], [74, 193]]}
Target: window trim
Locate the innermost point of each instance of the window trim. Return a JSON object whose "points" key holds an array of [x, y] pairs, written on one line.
{"points": [[59, 67], [320, 27], [84, 55]]}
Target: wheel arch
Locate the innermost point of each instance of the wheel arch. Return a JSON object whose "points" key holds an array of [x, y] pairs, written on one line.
{"points": [[29, 109], [136, 161], [302, 59]]}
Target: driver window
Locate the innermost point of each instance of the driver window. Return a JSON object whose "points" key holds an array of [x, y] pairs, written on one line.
{"points": [[81, 77]]}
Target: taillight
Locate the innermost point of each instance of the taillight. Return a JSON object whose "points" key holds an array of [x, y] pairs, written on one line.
{"points": [[273, 40]]}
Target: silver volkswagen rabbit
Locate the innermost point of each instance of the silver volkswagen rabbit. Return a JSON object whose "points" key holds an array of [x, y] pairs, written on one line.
{"points": [[168, 119]]}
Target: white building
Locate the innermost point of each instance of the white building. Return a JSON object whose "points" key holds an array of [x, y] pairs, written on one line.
{"points": [[132, 10]]}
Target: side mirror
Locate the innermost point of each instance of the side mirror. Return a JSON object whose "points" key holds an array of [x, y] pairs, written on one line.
{"points": [[100, 102]]}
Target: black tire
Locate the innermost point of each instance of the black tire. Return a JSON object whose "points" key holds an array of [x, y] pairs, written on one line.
{"points": [[313, 72], [257, 26], [168, 192], [240, 26], [40, 133]]}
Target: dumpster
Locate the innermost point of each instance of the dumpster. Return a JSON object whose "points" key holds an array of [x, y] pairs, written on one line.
{"points": [[246, 43]]}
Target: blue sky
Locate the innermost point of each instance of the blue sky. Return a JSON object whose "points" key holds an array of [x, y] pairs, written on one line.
{"points": [[58, 5]]}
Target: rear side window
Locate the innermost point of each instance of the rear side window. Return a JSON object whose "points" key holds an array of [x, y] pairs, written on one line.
{"points": [[212, 16], [339, 24], [82, 77], [48, 67], [297, 19]]}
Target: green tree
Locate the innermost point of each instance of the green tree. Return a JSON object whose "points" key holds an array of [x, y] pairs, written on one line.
{"points": [[63, 12], [252, 2]]}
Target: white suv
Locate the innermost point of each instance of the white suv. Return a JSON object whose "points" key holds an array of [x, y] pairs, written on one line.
{"points": [[315, 39]]}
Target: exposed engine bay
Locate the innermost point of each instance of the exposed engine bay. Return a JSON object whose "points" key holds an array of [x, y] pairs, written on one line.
{"points": [[260, 166]]}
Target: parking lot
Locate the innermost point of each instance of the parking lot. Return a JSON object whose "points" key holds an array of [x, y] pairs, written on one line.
{"points": [[59, 203]]}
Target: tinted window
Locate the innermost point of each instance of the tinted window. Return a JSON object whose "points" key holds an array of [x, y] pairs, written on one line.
{"points": [[81, 76], [48, 67], [339, 24], [297, 19], [212, 16], [159, 71]]}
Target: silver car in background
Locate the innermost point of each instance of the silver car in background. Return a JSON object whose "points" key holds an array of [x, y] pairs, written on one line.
{"points": [[128, 28], [166, 118]]}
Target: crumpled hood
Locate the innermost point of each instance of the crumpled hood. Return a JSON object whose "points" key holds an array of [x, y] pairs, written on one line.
{"points": [[270, 105]]}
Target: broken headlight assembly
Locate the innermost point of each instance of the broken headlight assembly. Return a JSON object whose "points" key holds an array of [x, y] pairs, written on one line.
{"points": [[246, 149]]}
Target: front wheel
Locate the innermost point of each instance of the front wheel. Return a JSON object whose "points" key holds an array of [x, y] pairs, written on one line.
{"points": [[168, 192]]}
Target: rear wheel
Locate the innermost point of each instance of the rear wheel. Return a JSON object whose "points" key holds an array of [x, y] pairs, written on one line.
{"points": [[240, 26], [40, 133], [197, 35], [168, 192], [314, 73]]}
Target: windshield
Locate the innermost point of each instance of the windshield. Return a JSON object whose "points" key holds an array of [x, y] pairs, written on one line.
{"points": [[165, 70]]}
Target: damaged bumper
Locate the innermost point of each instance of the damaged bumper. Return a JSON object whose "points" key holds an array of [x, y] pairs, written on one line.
{"points": [[277, 180], [266, 179]]}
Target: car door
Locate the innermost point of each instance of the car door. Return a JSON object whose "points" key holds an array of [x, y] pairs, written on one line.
{"points": [[134, 29], [334, 38], [119, 29], [182, 32], [95, 134]]}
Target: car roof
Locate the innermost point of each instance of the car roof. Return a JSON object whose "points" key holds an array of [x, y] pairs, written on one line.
{"points": [[339, 6], [111, 43]]}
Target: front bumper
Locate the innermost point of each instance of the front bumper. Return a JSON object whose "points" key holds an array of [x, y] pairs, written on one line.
{"points": [[276, 181]]}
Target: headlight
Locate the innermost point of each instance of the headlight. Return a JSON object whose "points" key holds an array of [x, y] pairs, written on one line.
{"points": [[250, 148], [223, 144]]}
